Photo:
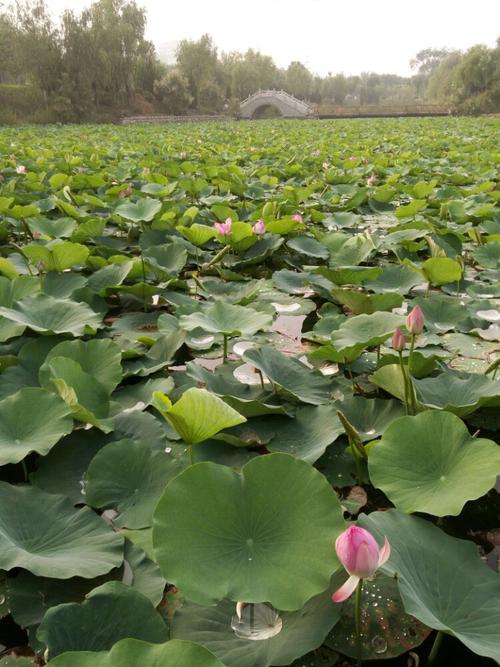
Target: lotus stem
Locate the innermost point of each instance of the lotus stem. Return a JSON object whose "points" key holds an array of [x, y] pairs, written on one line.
{"points": [[224, 353], [405, 383], [357, 621], [217, 257], [191, 457], [431, 660], [410, 382]]}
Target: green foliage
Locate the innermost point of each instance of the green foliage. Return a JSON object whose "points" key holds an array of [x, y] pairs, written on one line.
{"points": [[130, 431]]}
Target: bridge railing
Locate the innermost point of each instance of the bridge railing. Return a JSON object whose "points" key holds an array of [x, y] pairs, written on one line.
{"points": [[367, 109], [277, 93]]}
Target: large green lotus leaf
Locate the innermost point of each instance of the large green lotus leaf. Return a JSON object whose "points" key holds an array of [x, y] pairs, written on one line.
{"points": [[159, 355], [99, 358], [390, 379], [228, 319], [135, 653], [143, 210], [30, 597], [247, 536], [44, 534], [47, 314], [63, 285], [388, 632], [87, 398], [411, 209], [442, 580], [32, 420], [198, 415], [359, 302], [394, 278], [488, 255], [308, 434], [362, 331], [109, 276], [138, 396], [441, 313], [350, 275], [197, 234], [258, 253], [305, 245], [166, 260], [370, 416], [110, 612], [301, 632], [290, 374], [129, 477], [430, 463], [17, 288], [142, 573], [460, 393], [442, 270], [62, 470], [57, 255]]}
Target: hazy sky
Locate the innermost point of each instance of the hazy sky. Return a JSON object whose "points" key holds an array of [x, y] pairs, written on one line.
{"points": [[347, 36]]}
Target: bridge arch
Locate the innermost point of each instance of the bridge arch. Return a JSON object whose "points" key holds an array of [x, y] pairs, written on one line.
{"points": [[287, 105]]}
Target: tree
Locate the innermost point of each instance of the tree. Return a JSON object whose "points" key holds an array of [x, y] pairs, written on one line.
{"points": [[298, 80], [427, 60], [478, 80], [198, 62], [247, 73], [38, 46], [172, 91]]}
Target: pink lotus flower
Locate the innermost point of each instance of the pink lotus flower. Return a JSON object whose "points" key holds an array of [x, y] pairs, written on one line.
{"points": [[326, 165], [371, 180], [297, 217], [259, 227], [415, 321], [224, 228], [316, 152], [398, 340], [20, 169], [361, 556]]}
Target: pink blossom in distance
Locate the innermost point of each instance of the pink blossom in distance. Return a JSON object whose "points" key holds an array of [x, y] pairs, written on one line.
{"points": [[224, 228], [415, 321], [20, 169], [361, 556], [259, 227], [371, 180], [297, 217]]}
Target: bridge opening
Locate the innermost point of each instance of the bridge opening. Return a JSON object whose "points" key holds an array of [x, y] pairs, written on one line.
{"points": [[267, 111]]}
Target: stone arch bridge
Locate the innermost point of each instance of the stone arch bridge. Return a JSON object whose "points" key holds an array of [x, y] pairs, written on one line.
{"points": [[287, 105]]}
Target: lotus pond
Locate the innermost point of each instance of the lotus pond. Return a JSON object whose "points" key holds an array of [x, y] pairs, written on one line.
{"points": [[222, 345]]}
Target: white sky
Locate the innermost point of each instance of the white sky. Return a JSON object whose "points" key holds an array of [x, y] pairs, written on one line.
{"points": [[347, 36]]}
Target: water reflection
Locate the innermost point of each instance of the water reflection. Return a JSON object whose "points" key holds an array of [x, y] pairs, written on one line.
{"points": [[256, 621]]}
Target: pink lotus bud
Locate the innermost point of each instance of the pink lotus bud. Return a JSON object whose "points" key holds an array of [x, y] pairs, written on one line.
{"points": [[224, 228], [398, 340], [297, 217], [415, 321], [20, 169], [122, 194], [371, 180], [259, 227], [361, 556]]}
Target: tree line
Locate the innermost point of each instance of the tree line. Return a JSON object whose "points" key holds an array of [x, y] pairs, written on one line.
{"points": [[97, 64]]}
